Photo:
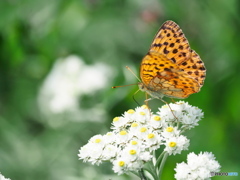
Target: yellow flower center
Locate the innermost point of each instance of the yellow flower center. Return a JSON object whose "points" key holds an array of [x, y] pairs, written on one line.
{"points": [[134, 142], [150, 136], [98, 140], [123, 132], [142, 113], [132, 152], [143, 129], [144, 106], [157, 118], [134, 125], [164, 106], [121, 163], [169, 129], [130, 111], [116, 119], [109, 133], [172, 144]]}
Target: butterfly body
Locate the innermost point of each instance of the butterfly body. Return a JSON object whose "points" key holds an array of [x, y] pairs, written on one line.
{"points": [[171, 68]]}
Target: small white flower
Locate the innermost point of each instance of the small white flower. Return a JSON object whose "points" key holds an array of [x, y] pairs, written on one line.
{"points": [[189, 121], [119, 122], [109, 152], [84, 152], [152, 141], [129, 115], [135, 165], [195, 111], [166, 114], [142, 132], [135, 143], [191, 117], [175, 145], [142, 114], [109, 137], [134, 128], [120, 165], [170, 131], [156, 122], [98, 140], [122, 137], [91, 153], [145, 156], [131, 153]]}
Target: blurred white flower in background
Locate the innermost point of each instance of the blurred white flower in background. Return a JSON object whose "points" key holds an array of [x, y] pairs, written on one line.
{"points": [[69, 79]]}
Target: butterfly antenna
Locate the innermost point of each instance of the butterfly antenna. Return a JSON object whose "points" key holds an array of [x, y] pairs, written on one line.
{"points": [[123, 85], [128, 68]]}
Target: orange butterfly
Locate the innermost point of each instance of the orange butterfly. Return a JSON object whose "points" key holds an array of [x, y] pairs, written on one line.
{"points": [[171, 68]]}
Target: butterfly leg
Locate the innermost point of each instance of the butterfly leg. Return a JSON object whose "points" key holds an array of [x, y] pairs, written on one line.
{"points": [[147, 99], [169, 108]]}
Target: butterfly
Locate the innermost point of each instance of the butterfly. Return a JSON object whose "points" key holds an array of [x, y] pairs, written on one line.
{"points": [[171, 68]]}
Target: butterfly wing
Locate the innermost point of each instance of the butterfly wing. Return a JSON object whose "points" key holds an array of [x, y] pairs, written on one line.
{"points": [[171, 42], [194, 67], [164, 78]]}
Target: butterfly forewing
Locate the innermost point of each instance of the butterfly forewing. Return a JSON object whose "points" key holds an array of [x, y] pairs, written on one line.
{"points": [[171, 42]]}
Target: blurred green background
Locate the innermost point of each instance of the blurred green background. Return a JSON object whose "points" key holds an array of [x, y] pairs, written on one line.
{"points": [[59, 60]]}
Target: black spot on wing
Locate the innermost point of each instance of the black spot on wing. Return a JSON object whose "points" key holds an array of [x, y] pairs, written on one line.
{"points": [[175, 51], [165, 51], [202, 68], [173, 59], [167, 69]]}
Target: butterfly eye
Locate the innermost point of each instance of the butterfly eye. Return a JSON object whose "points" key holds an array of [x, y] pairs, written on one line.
{"points": [[141, 86]]}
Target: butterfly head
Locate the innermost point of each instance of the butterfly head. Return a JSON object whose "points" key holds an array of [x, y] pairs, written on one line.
{"points": [[141, 86], [151, 92]]}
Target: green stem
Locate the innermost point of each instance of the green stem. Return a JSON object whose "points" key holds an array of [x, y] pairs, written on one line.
{"points": [[152, 173], [154, 158], [153, 168], [162, 164], [142, 176], [159, 159]]}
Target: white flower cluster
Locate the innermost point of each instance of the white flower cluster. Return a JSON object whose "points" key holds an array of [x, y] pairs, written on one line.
{"points": [[137, 133], [186, 114], [197, 167]]}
